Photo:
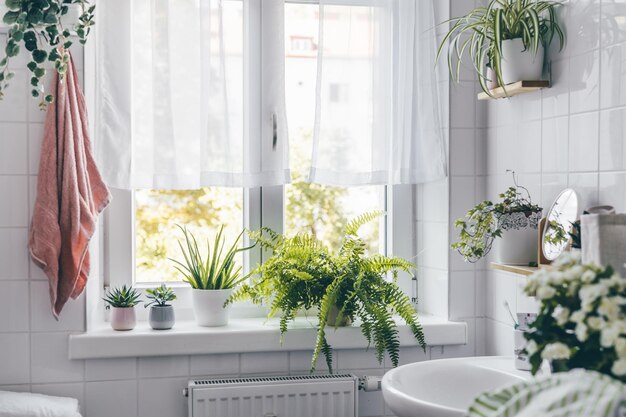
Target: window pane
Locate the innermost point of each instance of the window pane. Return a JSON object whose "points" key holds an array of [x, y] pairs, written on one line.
{"points": [[312, 208], [157, 212]]}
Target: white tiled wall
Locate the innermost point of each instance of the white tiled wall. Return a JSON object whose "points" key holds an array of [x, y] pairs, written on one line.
{"points": [[571, 135]]}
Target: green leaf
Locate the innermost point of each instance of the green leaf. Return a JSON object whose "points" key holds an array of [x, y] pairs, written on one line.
{"points": [[34, 81], [34, 93], [49, 99], [39, 55], [10, 17], [12, 49], [39, 72], [32, 65], [13, 4]]}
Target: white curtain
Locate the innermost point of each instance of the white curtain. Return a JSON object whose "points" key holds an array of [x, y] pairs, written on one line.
{"points": [[179, 122], [378, 106]]}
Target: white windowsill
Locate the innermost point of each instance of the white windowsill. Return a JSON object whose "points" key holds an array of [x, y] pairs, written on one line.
{"points": [[241, 335]]}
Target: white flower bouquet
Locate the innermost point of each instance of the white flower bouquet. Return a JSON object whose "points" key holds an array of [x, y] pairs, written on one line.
{"points": [[582, 318]]}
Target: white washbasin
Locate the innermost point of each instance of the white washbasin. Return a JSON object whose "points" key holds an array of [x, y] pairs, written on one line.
{"points": [[446, 387]]}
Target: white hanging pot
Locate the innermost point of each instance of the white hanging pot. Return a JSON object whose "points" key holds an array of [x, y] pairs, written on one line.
{"points": [[519, 242], [519, 63], [208, 306]]}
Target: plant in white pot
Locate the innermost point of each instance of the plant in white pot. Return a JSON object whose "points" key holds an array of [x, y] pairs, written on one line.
{"points": [[122, 301], [505, 40], [161, 313], [212, 278], [515, 220]]}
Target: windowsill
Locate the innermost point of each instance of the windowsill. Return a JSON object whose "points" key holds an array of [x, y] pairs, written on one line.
{"points": [[241, 335]]}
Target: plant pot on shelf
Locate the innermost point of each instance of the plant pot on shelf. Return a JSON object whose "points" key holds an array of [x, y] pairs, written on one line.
{"points": [[492, 80], [162, 317], [333, 314], [208, 307], [123, 318], [519, 63], [518, 244]]}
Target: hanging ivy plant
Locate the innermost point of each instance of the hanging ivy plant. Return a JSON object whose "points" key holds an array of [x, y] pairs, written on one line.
{"points": [[36, 25]]}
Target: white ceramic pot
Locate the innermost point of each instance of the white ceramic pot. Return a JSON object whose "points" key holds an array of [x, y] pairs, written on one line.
{"points": [[519, 242], [208, 306], [519, 64], [123, 318]]}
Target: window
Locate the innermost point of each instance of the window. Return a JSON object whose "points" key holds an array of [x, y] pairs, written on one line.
{"points": [[147, 219]]}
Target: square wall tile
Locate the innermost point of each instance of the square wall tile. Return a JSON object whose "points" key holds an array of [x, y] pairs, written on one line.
{"points": [[613, 140], [555, 100], [584, 82], [72, 317], [110, 369], [111, 398], [264, 362], [462, 146], [162, 397], [462, 294], [163, 366], [14, 358], [14, 253], [613, 75], [554, 144], [14, 307], [213, 365], [462, 105], [583, 142], [14, 201], [14, 105], [613, 190], [35, 138], [49, 358], [13, 149], [586, 185], [74, 390]]}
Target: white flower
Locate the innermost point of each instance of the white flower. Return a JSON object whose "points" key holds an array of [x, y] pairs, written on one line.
{"points": [[545, 292], [561, 315], [573, 273], [620, 347], [609, 335], [531, 347], [596, 323], [578, 316], [581, 331], [591, 293], [609, 308], [619, 367], [588, 276], [556, 350]]}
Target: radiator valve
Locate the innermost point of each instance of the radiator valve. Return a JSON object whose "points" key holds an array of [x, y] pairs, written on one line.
{"points": [[370, 383]]}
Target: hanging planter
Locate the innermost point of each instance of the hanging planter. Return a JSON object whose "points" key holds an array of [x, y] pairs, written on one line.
{"points": [[506, 36], [44, 28]]}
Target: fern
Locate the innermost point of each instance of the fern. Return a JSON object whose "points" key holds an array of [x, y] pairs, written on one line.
{"points": [[303, 273]]}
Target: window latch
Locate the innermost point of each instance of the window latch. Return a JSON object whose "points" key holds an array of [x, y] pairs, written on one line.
{"points": [[274, 131]]}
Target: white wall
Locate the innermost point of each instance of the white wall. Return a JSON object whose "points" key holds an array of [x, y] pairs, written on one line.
{"points": [[571, 135]]}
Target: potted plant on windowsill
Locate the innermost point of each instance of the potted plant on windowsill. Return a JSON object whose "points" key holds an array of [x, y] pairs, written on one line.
{"points": [[212, 278], [514, 220], [122, 301], [161, 313], [506, 38], [346, 286]]}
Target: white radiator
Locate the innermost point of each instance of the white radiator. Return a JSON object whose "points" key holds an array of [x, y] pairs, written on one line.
{"points": [[281, 396]]}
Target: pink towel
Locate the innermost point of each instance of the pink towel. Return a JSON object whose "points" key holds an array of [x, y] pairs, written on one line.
{"points": [[70, 195]]}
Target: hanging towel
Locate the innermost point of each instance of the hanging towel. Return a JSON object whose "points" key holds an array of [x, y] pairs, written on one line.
{"points": [[19, 404], [575, 393], [70, 195]]}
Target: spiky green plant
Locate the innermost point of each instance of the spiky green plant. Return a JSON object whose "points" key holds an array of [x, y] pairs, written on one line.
{"points": [[159, 296], [122, 297], [216, 271], [480, 33], [303, 273]]}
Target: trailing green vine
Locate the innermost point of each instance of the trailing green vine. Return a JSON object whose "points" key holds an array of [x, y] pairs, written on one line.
{"points": [[303, 273], [37, 26]]}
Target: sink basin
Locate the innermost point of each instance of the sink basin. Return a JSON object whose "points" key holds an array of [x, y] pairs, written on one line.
{"points": [[446, 387]]}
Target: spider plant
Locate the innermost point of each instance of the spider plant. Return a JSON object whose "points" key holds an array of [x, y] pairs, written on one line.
{"points": [[216, 271], [122, 297], [481, 32]]}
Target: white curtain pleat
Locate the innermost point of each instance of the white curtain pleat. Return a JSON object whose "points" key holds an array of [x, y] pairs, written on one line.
{"points": [[180, 122], [385, 128]]}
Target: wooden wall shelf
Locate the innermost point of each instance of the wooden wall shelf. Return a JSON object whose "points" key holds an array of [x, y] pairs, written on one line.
{"points": [[515, 269], [514, 89]]}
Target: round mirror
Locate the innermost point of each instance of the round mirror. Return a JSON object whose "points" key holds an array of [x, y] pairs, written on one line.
{"points": [[562, 214]]}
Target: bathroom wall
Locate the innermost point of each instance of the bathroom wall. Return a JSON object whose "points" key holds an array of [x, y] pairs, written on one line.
{"points": [[571, 135], [34, 347]]}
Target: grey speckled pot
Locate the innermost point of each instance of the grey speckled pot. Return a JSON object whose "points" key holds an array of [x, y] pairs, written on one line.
{"points": [[162, 317]]}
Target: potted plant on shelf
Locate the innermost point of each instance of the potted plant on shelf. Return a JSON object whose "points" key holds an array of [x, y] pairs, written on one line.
{"points": [[212, 278], [45, 29], [505, 40], [346, 286], [515, 220], [161, 313], [122, 301]]}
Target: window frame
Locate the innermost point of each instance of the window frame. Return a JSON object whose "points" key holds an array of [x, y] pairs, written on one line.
{"points": [[263, 206]]}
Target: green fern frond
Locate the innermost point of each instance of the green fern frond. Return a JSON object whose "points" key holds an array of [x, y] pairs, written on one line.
{"points": [[352, 228]]}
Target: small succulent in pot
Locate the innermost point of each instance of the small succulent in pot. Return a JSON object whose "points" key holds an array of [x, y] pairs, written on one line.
{"points": [[122, 302], [161, 313], [514, 220]]}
